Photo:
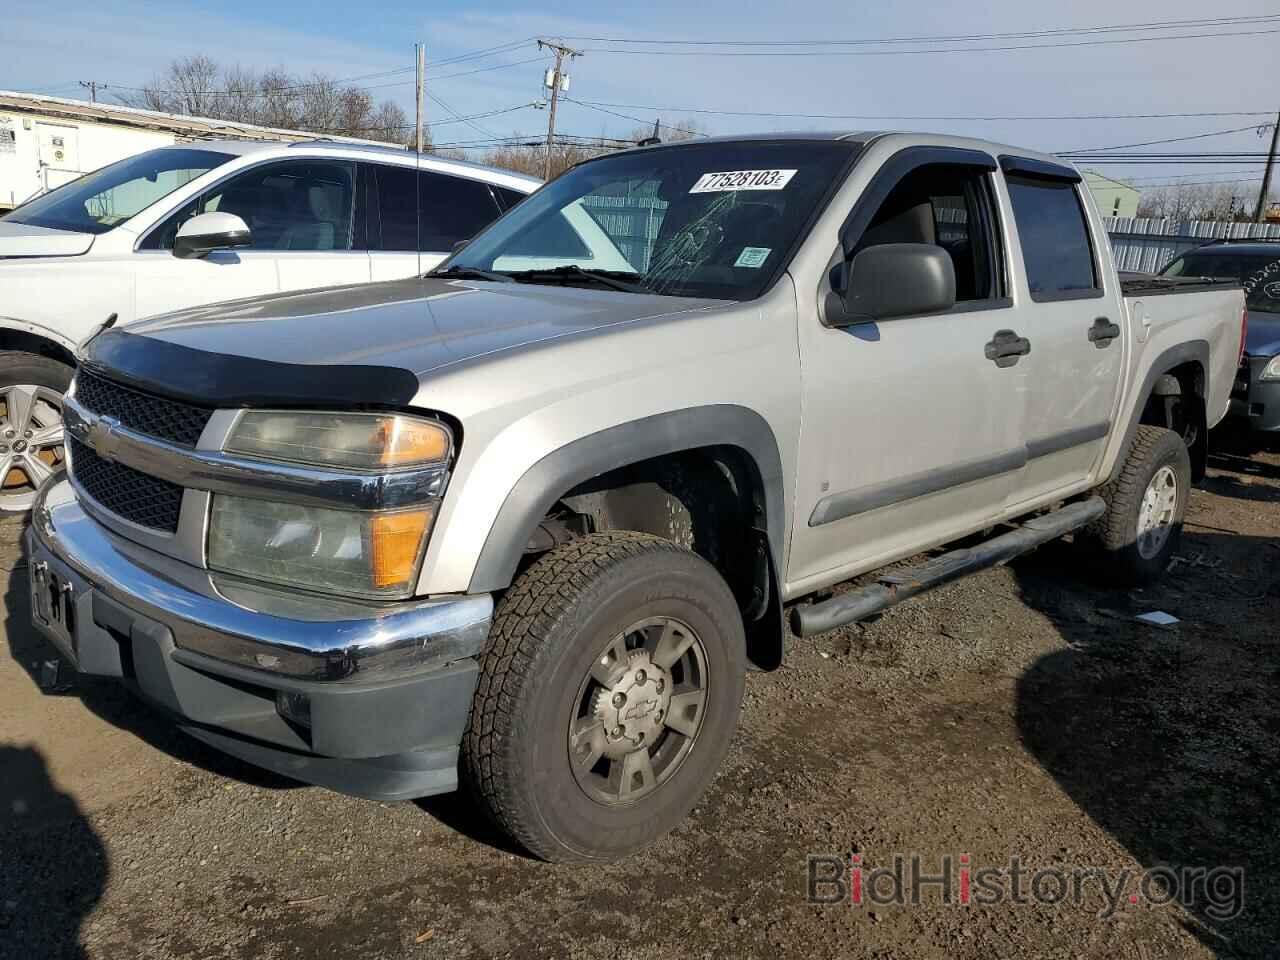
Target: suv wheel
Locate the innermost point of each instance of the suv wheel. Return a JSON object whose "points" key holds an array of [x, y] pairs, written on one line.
{"points": [[1140, 531], [31, 441], [609, 690]]}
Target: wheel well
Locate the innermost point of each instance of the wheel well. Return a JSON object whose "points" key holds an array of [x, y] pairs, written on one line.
{"points": [[710, 500], [1177, 403], [20, 340]]}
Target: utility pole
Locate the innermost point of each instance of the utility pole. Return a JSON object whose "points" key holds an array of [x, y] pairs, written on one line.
{"points": [[92, 87], [557, 80], [422, 86], [1261, 210]]}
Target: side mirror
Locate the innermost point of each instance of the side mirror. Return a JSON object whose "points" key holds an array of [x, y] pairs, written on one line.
{"points": [[894, 280], [207, 232]]}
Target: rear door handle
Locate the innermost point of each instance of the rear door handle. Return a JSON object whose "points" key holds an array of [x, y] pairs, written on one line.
{"points": [[1103, 332], [1006, 347]]}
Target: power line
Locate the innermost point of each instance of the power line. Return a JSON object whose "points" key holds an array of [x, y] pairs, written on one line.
{"points": [[1149, 143], [381, 74], [1201, 183], [963, 38], [1227, 175], [921, 117], [625, 116], [908, 53], [497, 66]]}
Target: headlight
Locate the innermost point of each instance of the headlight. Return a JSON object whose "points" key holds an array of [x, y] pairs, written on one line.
{"points": [[1272, 370], [364, 553], [355, 441]]}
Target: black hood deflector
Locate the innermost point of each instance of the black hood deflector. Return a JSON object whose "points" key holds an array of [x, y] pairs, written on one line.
{"points": [[224, 380]]}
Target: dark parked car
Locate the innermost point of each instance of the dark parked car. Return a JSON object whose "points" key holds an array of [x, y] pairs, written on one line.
{"points": [[1255, 398]]}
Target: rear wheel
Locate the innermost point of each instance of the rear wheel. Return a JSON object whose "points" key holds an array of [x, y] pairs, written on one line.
{"points": [[609, 691], [32, 447], [1139, 533]]}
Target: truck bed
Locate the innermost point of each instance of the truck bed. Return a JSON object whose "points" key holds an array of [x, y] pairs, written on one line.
{"points": [[1150, 285]]}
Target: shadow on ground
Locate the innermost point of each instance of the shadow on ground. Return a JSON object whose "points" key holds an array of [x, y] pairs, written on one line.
{"points": [[107, 699], [1170, 738], [54, 866]]}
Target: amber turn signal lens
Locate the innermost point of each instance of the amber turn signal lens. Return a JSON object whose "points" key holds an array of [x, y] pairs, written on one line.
{"points": [[394, 541], [407, 441]]}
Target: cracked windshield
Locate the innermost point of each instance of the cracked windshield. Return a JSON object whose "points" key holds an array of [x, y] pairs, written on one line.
{"points": [[695, 220]]}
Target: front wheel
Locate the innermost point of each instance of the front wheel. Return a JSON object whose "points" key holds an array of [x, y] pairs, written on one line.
{"points": [[32, 448], [609, 691]]}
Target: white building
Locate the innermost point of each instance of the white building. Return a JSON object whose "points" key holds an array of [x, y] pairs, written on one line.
{"points": [[1114, 198], [47, 141]]}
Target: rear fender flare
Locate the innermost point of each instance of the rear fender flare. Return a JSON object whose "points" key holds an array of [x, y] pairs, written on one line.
{"points": [[1192, 350]]}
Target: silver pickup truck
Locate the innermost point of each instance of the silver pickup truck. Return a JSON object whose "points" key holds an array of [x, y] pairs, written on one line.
{"points": [[524, 523]]}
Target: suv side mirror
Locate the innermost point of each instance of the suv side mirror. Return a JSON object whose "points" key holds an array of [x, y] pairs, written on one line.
{"points": [[894, 280], [207, 232]]}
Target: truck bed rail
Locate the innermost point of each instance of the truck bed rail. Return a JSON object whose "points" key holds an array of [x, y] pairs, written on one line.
{"points": [[1151, 285]]}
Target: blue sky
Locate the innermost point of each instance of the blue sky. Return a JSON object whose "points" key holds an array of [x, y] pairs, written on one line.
{"points": [[49, 46]]}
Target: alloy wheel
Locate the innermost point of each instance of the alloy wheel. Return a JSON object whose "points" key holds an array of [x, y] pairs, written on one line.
{"points": [[638, 711], [32, 446]]}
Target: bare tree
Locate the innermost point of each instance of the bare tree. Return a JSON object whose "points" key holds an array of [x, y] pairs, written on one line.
{"points": [[688, 129], [1197, 201], [527, 157], [198, 86]]}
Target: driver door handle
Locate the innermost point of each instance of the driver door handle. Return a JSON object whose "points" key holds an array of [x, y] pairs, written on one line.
{"points": [[1103, 332], [1006, 347]]}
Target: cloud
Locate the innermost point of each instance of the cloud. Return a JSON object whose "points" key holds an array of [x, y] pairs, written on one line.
{"points": [[130, 42]]}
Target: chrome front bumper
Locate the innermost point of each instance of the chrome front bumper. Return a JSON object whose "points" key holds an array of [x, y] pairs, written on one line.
{"points": [[387, 689], [291, 635]]}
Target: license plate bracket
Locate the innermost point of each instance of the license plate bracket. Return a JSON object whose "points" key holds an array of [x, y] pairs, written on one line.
{"points": [[53, 605]]}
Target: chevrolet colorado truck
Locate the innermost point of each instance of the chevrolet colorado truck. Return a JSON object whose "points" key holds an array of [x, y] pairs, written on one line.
{"points": [[523, 524], [193, 224]]}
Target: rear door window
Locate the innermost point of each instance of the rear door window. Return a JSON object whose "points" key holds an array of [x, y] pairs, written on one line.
{"points": [[452, 209], [508, 197], [1054, 237]]}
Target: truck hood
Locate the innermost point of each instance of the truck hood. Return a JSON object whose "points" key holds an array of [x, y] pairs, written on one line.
{"points": [[420, 324], [25, 240], [1263, 338]]}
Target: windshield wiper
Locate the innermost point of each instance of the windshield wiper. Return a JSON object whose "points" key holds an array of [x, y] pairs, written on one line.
{"points": [[470, 273], [571, 271]]}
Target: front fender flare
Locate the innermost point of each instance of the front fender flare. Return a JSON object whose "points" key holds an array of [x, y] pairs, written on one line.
{"points": [[533, 495]]}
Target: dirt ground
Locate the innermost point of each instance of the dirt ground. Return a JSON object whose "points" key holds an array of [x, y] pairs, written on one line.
{"points": [[1020, 713]]}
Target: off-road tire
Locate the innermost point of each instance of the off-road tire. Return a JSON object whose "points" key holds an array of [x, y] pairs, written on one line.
{"points": [[1114, 535], [547, 632]]}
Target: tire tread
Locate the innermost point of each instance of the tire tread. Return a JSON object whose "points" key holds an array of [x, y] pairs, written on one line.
{"points": [[528, 613]]}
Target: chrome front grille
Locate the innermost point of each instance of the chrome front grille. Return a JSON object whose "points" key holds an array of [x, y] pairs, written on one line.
{"points": [[132, 494], [129, 494], [171, 420]]}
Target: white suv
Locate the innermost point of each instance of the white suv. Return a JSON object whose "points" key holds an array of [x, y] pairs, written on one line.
{"points": [[193, 224]]}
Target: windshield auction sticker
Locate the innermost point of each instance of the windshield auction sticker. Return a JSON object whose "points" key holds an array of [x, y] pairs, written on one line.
{"points": [[742, 180], [753, 257]]}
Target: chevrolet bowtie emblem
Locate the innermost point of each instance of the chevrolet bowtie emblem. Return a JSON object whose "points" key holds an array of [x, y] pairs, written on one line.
{"points": [[102, 437]]}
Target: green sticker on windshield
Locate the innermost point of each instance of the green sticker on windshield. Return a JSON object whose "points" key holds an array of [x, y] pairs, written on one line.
{"points": [[753, 256]]}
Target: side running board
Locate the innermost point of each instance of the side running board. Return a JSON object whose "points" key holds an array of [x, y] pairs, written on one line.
{"points": [[899, 585]]}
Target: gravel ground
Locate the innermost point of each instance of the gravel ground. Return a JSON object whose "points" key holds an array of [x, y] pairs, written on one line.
{"points": [[1019, 713]]}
